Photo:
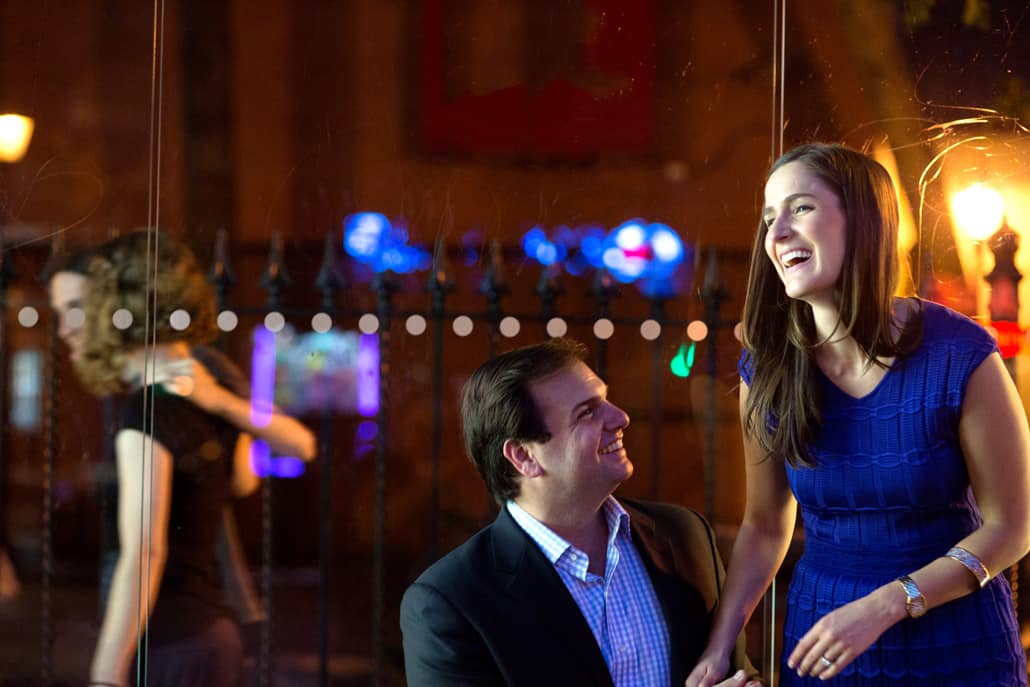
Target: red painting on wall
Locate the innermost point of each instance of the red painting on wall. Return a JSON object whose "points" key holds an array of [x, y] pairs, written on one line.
{"points": [[563, 78]]}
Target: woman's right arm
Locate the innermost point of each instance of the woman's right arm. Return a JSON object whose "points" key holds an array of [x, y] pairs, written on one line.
{"points": [[145, 470], [758, 551], [284, 434]]}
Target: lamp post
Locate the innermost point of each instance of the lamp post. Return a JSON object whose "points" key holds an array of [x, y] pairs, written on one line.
{"points": [[979, 212], [1003, 306]]}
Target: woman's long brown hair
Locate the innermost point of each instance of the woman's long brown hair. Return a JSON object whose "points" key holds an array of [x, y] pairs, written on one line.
{"points": [[783, 406]]}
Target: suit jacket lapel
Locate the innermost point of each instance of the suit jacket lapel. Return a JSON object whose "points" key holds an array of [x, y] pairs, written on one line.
{"points": [[656, 553], [686, 617], [563, 640]]}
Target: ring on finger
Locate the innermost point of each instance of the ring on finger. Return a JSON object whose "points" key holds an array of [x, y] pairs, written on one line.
{"points": [[825, 662]]}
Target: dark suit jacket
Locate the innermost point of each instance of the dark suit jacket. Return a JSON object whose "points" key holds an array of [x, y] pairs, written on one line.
{"points": [[495, 612]]}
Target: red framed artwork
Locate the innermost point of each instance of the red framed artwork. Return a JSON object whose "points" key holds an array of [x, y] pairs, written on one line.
{"points": [[562, 78]]}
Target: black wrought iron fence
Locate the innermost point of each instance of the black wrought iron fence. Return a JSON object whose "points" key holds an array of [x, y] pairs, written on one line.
{"points": [[594, 308]]}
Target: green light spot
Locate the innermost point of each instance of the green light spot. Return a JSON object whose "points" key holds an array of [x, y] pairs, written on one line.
{"points": [[683, 361]]}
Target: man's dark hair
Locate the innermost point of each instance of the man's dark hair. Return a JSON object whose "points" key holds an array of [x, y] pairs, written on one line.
{"points": [[496, 406]]}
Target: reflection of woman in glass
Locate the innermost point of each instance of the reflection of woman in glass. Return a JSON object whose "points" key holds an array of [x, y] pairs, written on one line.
{"points": [[218, 387], [896, 428], [166, 581]]}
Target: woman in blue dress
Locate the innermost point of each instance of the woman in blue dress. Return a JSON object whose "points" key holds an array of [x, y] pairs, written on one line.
{"points": [[894, 426]]}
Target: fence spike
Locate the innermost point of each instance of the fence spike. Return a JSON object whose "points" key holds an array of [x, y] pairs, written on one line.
{"points": [[605, 287], [330, 279], [8, 273], [712, 290], [385, 285], [222, 275], [275, 277], [548, 288], [441, 282], [494, 286], [495, 283], [54, 259]]}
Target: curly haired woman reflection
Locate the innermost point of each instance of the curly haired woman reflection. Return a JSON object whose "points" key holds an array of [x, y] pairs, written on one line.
{"points": [[165, 607], [218, 387]]}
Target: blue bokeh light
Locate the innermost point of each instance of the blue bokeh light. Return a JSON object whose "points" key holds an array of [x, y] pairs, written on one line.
{"points": [[666, 245], [371, 239], [649, 254], [538, 247], [364, 234], [630, 236], [635, 251]]}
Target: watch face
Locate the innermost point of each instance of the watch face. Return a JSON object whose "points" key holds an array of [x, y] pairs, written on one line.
{"points": [[915, 602], [916, 606]]}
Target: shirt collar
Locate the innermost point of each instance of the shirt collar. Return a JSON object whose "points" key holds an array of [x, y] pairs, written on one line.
{"points": [[553, 545]]}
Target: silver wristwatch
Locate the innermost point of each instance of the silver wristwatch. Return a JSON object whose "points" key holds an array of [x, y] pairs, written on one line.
{"points": [[915, 602]]}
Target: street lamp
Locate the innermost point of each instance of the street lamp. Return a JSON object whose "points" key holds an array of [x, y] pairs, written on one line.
{"points": [[979, 212], [1004, 303], [15, 134]]}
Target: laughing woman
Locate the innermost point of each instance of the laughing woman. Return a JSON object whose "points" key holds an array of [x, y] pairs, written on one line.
{"points": [[895, 427]]}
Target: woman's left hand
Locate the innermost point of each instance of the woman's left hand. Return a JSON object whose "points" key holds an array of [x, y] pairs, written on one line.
{"points": [[841, 635]]}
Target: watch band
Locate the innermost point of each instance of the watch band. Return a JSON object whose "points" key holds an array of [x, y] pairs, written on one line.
{"points": [[915, 602]]}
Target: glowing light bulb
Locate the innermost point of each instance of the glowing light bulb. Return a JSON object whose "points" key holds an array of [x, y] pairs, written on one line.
{"points": [[15, 134], [978, 211]]}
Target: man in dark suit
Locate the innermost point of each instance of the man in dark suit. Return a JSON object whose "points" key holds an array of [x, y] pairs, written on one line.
{"points": [[568, 586]]}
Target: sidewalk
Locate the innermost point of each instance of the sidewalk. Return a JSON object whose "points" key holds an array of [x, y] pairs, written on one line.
{"points": [[75, 624]]}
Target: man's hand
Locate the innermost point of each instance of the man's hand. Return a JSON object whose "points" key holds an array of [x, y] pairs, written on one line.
{"points": [[706, 673], [708, 670], [738, 680]]}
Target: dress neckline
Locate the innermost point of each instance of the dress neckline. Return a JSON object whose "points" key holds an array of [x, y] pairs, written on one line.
{"points": [[872, 392], [920, 311]]}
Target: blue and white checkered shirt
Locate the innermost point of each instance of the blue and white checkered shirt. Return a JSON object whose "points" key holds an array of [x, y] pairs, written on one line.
{"points": [[621, 607]]}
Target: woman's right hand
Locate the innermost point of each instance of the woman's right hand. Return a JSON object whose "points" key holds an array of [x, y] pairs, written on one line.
{"points": [[187, 377]]}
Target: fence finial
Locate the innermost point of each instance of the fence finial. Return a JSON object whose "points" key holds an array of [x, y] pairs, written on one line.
{"points": [[605, 288], [7, 271], [275, 277], [441, 282], [548, 288], [330, 279], [55, 257], [494, 284], [712, 290], [222, 275]]}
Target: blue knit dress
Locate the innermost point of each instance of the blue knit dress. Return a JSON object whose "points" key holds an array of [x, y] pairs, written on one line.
{"points": [[889, 494]]}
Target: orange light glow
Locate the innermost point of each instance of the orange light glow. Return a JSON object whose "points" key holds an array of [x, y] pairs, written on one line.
{"points": [[978, 211], [15, 134]]}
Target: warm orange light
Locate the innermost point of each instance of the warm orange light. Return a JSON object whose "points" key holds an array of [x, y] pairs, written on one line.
{"points": [[15, 134], [978, 211], [697, 330]]}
